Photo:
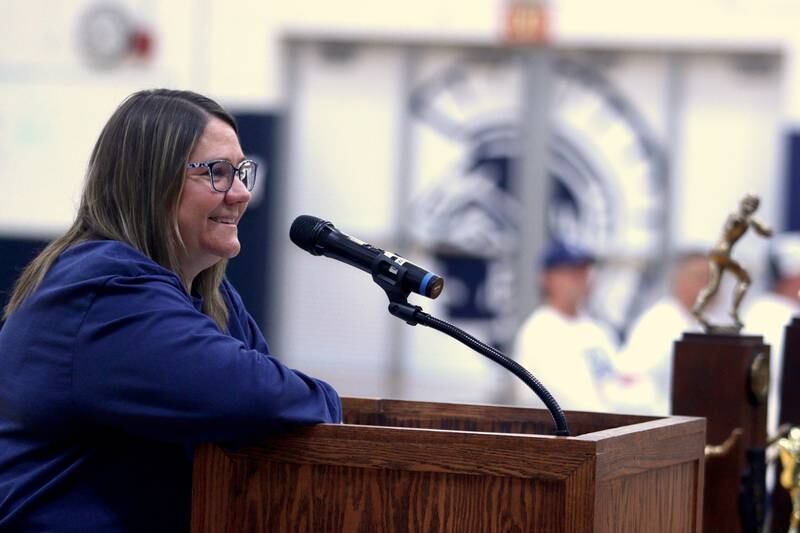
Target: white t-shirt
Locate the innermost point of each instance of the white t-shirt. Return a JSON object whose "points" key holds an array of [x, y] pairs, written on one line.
{"points": [[571, 356], [649, 349]]}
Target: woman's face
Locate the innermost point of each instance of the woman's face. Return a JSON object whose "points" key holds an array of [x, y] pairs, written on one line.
{"points": [[208, 219]]}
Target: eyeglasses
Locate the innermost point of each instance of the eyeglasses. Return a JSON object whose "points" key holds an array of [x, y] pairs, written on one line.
{"points": [[222, 172]]}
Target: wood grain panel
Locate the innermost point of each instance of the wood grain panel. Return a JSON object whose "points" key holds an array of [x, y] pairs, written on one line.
{"points": [[284, 497], [649, 446], [648, 502], [423, 467], [425, 451], [579, 499]]}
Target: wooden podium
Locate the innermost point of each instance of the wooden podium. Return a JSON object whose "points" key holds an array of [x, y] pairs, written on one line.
{"points": [[401, 466]]}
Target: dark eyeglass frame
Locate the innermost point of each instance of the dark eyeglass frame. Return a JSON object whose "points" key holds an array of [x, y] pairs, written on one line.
{"points": [[209, 165]]}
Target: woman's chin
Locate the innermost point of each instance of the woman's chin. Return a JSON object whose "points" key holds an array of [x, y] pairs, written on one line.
{"points": [[231, 250], [222, 251]]}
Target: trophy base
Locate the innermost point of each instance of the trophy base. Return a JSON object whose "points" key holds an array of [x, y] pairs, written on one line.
{"points": [[721, 376], [714, 329], [789, 413]]}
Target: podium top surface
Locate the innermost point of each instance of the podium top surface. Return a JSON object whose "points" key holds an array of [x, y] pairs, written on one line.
{"points": [[485, 440], [502, 419]]}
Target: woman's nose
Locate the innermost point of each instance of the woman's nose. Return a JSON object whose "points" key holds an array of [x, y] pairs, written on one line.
{"points": [[237, 193]]}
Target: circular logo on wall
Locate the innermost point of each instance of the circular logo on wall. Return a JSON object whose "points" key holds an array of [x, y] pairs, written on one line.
{"points": [[607, 180]]}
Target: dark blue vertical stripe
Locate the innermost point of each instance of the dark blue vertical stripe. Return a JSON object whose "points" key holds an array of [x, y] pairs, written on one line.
{"points": [[250, 270], [792, 198]]}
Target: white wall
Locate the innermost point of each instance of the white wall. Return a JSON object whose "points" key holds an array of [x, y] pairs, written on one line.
{"points": [[52, 106], [52, 103]]}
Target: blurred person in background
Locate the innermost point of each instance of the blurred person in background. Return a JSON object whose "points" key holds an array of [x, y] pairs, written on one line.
{"points": [[124, 345], [647, 355], [769, 313], [567, 350]]}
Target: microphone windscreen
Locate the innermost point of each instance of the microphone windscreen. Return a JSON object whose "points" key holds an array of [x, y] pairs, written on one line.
{"points": [[304, 231]]}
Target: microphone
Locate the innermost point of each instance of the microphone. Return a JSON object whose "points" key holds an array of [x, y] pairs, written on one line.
{"points": [[397, 276]]}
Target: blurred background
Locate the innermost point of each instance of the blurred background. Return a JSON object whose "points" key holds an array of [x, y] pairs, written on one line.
{"points": [[464, 136]]}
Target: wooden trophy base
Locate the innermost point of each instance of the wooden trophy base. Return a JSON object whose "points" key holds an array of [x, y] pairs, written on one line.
{"points": [[790, 399], [725, 378], [789, 414]]}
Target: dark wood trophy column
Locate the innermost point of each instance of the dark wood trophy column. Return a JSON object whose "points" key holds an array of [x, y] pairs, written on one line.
{"points": [[789, 414], [725, 378]]}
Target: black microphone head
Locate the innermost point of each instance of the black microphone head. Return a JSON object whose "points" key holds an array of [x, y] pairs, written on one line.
{"points": [[305, 231]]}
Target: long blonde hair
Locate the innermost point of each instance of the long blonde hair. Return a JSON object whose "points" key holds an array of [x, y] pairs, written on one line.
{"points": [[133, 187]]}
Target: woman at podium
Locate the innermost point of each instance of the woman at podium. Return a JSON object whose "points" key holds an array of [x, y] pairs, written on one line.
{"points": [[124, 345]]}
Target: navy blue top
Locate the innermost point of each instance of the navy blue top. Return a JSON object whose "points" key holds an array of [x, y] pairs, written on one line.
{"points": [[109, 373]]}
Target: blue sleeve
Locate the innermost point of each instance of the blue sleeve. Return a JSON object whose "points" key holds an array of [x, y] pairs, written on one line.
{"points": [[148, 363]]}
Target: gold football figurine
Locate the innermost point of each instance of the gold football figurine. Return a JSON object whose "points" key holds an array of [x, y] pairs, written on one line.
{"points": [[720, 260], [789, 453]]}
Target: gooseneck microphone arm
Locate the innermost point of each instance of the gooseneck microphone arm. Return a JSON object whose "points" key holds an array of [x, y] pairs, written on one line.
{"points": [[413, 315], [398, 278]]}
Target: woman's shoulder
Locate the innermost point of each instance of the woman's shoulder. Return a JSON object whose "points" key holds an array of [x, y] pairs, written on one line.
{"points": [[103, 259]]}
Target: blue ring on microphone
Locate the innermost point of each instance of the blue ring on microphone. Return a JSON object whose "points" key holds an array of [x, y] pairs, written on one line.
{"points": [[423, 285]]}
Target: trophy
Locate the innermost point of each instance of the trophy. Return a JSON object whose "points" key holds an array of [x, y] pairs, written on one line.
{"points": [[720, 260], [724, 376], [789, 453]]}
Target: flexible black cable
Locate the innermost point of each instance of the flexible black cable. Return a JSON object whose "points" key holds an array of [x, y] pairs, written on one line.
{"points": [[495, 355]]}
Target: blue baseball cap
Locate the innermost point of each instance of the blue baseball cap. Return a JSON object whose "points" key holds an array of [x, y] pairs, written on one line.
{"points": [[560, 254]]}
